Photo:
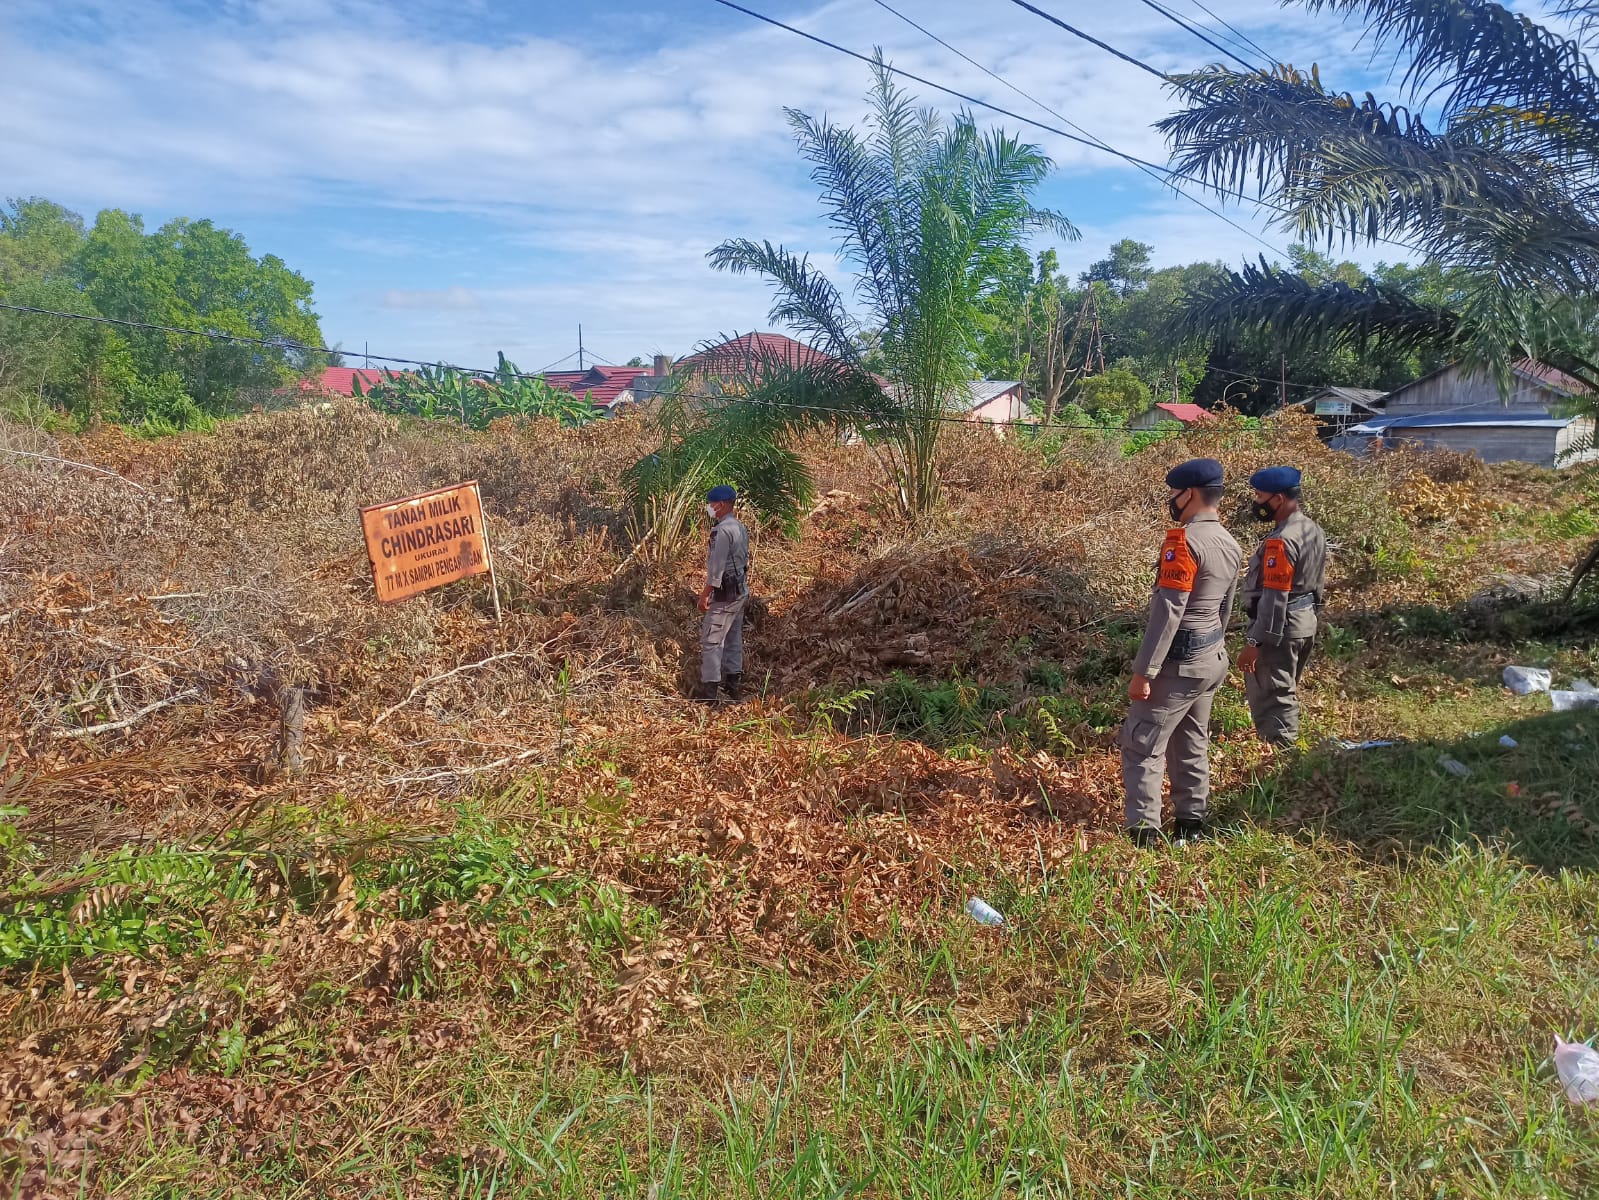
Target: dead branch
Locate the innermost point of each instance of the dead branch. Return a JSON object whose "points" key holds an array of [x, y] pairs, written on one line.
{"points": [[113, 726], [427, 683], [67, 462]]}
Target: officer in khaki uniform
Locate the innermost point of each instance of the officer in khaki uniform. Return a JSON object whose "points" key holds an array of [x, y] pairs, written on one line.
{"points": [[1282, 591], [723, 599], [1183, 660]]}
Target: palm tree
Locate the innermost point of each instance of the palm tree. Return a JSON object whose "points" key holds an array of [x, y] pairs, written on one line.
{"points": [[926, 214], [1500, 181]]}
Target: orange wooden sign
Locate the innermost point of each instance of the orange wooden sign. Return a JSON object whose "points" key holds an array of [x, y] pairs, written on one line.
{"points": [[426, 541]]}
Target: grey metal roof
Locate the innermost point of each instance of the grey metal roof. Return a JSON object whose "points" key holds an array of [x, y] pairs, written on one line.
{"points": [[1479, 420]]}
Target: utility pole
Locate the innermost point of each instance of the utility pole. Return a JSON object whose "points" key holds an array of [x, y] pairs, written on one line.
{"points": [[580, 348], [1282, 393]]}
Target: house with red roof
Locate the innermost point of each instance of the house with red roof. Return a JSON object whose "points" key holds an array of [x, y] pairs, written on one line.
{"points": [[607, 388], [340, 381], [1165, 414]]}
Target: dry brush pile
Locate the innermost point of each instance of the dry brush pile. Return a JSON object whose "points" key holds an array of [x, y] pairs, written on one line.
{"points": [[152, 619]]}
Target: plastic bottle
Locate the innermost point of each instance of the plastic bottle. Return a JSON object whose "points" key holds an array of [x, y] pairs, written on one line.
{"points": [[1455, 767], [1577, 1064], [980, 912]]}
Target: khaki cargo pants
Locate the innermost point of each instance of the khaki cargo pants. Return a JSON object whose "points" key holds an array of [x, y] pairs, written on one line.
{"points": [[1273, 690], [1170, 734], [722, 640]]}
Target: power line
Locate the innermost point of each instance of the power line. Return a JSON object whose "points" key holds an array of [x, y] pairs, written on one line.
{"points": [[1088, 37], [1240, 37], [282, 343], [1016, 116], [1163, 177], [1198, 33]]}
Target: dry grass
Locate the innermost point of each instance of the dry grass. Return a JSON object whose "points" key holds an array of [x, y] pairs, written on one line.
{"points": [[517, 830]]}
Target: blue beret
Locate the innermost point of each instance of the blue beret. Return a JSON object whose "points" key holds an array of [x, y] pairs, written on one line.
{"points": [[1195, 473], [1275, 479], [720, 493]]}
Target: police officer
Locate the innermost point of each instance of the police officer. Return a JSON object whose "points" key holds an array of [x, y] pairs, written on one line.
{"points": [[1282, 591], [723, 598], [1183, 659]]}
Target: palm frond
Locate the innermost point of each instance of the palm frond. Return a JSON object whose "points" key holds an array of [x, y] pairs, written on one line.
{"points": [[1476, 54], [806, 300]]}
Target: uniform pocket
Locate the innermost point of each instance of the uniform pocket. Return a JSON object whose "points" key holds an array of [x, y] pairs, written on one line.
{"points": [[1141, 737]]}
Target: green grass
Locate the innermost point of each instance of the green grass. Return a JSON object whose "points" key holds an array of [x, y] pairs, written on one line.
{"points": [[1164, 1026], [1353, 992]]}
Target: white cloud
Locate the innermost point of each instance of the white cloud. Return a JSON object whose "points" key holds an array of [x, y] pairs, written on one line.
{"points": [[601, 175]]}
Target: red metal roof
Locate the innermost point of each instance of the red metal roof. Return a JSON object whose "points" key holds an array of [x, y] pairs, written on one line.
{"points": [[742, 352], [1186, 413], [338, 380], [602, 384]]}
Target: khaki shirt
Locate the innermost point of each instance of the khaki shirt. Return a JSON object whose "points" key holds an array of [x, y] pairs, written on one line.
{"points": [[1195, 580], [1291, 563]]}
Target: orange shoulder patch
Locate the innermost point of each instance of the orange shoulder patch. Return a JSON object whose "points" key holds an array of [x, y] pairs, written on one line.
{"points": [[1178, 569], [1276, 568]]}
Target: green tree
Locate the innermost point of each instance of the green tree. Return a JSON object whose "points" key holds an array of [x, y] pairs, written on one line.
{"points": [[194, 275], [929, 216], [1125, 270], [1114, 397]]}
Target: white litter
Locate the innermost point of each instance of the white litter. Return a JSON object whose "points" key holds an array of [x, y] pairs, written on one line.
{"points": [[1577, 1064], [1577, 698], [980, 912], [1508, 742], [1455, 767], [1524, 681]]}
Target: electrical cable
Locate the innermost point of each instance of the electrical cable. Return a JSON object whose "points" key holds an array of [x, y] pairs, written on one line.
{"points": [[1016, 116], [1239, 36], [1200, 34], [285, 343], [1165, 178], [1088, 37]]}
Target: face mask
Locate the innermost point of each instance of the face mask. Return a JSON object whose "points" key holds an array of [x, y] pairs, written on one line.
{"points": [[1263, 511], [710, 511], [1175, 507]]}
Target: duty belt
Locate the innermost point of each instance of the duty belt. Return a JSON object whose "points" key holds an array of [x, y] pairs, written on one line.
{"points": [[1186, 643], [1302, 601]]}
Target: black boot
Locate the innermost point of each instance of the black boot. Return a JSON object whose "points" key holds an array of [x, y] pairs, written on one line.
{"points": [[1144, 836], [706, 692], [1189, 829], [733, 685]]}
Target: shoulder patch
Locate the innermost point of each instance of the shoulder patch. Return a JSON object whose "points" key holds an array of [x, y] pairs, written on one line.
{"points": [[1276, 568], [1177, 566]]}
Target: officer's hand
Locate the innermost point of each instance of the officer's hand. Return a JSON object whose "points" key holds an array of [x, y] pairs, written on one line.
{"points": [[705, 603], [1248, 659], [1138, 689]]}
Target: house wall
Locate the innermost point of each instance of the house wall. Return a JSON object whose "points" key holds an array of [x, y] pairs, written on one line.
{"points": [[1151, 418], [1576, 443], [1452, 389], [1490, 443], [1001, 410]]}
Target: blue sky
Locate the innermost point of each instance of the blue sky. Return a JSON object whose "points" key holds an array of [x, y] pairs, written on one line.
{"points": [[463, 176]]}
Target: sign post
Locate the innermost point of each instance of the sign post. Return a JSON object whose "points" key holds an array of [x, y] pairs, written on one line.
{"points": [[1334, 408], [426, 541]]}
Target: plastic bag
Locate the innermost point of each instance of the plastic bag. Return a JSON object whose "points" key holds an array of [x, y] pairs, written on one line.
{"points": [[1455, 767], [1567, 701], [1508, 742], [1577, 1064], [1524, 681]]}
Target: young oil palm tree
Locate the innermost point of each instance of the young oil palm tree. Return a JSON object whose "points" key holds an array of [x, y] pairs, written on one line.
{"points": [[1500, 180], [925, 213]]}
